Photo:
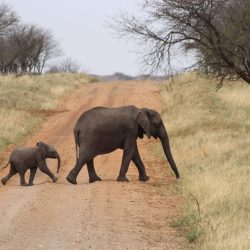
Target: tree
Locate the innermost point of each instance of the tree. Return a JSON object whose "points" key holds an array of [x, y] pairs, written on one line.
{"points": [[26, 48], [48, 49], [217, 30], [33, 46], [23, 48], [8, 19], [67, 65], [7, 57]]}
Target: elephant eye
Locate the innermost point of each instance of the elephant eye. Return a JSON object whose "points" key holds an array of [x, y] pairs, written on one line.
{"points": [[156, 122]]}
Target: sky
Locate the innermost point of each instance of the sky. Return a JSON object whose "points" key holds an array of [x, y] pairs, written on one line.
{"points": [[80, 27]]}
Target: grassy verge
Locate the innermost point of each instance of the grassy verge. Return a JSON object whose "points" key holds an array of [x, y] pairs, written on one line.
{"points": [[210, 140], [25, 100]]}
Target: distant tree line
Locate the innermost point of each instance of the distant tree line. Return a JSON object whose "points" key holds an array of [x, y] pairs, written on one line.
{"points": [[217, 30], [23, 47], [67, 65]]}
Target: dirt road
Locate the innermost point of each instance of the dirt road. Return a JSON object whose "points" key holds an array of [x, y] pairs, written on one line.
{"points": [[102, 215]]}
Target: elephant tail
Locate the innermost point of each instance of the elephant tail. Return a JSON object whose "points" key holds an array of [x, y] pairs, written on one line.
{"points": [[77, 141], [5, 166]]}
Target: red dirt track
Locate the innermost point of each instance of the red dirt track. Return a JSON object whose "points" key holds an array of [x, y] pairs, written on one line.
{"points": [[101, 215]]}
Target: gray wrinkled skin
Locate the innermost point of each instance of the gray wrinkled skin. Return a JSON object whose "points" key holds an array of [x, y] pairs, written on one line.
{"points": [[102, 130], [22, 159]]}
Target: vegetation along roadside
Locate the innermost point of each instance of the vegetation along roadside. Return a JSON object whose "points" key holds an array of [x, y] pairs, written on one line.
{"points": [[26, 101], [209, 135]]}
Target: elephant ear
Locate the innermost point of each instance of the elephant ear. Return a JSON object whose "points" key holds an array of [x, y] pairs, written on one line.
{"points": [[143, 122], [42, 149]]}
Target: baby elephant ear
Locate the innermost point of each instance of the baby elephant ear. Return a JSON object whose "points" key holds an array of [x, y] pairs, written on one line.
{"points": [[143, 122], [40, 144], [42, 149]]}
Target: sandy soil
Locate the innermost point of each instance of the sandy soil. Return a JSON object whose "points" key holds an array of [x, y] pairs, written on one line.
{"points": [[101, 215]]}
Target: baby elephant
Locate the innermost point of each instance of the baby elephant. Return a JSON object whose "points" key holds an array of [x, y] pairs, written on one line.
{"points": [[22, 159]]}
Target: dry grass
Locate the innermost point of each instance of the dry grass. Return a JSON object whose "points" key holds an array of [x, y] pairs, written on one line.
{"points": [[19, 96], [209, 134]]}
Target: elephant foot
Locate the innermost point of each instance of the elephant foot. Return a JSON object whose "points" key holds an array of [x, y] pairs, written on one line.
{"points": [[55, 179], [4, 182], [24, 184], [143, 178], [122, 178], [31, 184], [96, 178], [71, 179]]}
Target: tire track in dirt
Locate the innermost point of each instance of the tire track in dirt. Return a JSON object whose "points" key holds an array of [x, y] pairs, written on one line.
{"points": [[102, 215]]}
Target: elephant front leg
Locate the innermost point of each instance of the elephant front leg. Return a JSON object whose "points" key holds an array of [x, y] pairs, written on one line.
{"points": [[127, 156], [43, 167], [22, 177], [139, 165], [91, 170], [32, 175]]}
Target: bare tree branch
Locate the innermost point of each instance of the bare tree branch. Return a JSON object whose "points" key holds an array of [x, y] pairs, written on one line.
{"points": [[218, 31]]}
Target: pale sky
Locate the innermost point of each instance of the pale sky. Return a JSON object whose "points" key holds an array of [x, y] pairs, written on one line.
{"points": [[79, 27]]}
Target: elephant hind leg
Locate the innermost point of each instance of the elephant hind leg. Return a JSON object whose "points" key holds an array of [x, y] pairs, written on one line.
{"points": [[91, 170], [76, 170], [10, 174]]}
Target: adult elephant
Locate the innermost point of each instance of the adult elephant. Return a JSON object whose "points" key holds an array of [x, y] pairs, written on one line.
{"points": [[102, 130], [22, 159]]}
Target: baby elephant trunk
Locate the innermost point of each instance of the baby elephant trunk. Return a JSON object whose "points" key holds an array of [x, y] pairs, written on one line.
{"points": [[58, 162], [55, 155]]}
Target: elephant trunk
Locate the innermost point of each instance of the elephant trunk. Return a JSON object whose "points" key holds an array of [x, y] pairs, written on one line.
{"points": [[166, 147], [58, 162]]}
